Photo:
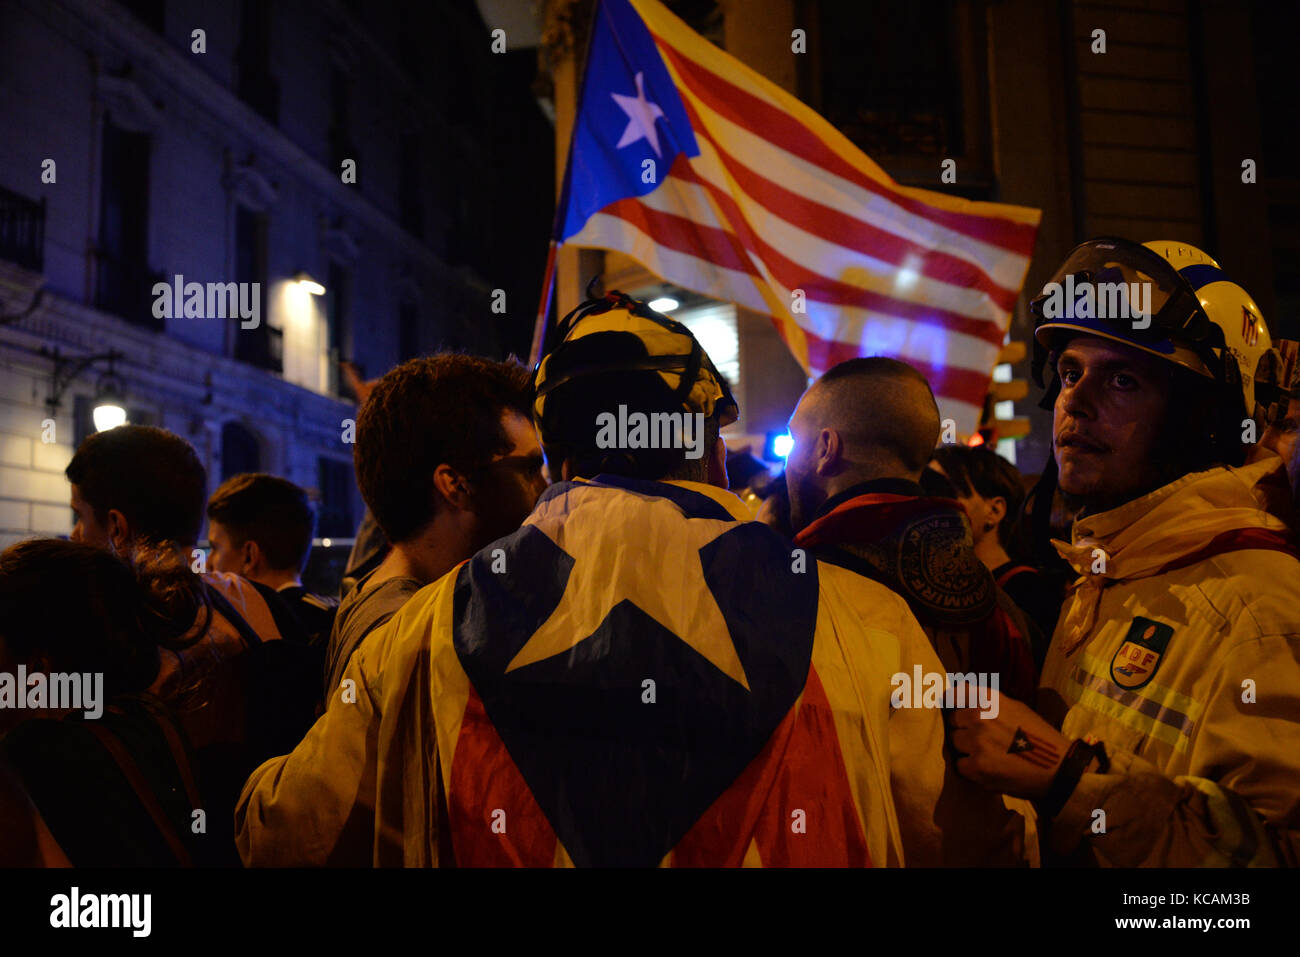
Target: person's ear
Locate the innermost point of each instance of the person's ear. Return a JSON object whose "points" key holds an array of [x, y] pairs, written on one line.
{"points": [[250, 555], [119, 532], [995, 510], [451, 485], [829, 451]]}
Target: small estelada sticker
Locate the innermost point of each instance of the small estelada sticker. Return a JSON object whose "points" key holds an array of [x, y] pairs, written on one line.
{"points": [[1139, 656]]}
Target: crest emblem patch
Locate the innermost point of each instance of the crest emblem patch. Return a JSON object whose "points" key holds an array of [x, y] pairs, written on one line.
{"points": [[1139, 656], [937, 567]]}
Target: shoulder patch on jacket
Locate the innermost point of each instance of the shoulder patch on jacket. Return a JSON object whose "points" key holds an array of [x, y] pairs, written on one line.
{"points": [[938, 568], [1139, 655]]}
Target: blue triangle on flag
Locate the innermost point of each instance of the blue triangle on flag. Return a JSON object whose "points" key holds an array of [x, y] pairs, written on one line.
{"points": [[629, 113]]}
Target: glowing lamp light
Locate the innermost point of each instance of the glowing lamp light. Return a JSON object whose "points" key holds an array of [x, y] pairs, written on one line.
{"points": [[307, 284], [326, 542], [109, 410], [664, 304], [108, 415]]}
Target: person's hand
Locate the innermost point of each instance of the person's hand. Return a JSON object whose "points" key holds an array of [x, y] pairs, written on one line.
{"points": [[1016, 752], [360, 389]]}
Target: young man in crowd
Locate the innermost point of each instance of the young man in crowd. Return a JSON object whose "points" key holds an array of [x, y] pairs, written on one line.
{"points": [[638, 675], [447, 461], [863, 435], [240, 692], [1174, 673], [260, 527], [137, 488]]}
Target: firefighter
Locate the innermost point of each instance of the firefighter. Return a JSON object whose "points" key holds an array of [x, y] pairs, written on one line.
{"points": [[1170, 699]]}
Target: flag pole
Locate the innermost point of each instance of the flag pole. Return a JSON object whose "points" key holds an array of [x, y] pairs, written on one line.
{"points": [[552, 255], [544, 306]]}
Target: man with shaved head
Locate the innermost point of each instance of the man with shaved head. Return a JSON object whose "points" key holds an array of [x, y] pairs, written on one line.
{"points": [[863, 434], [865, 419]]}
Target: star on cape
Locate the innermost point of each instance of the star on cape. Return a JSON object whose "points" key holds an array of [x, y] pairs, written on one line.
{"points": [[673, 592]]}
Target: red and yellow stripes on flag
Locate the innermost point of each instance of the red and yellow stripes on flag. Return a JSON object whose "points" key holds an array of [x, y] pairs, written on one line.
{"points": [[762, 819], [802, 768], [781, 214]]}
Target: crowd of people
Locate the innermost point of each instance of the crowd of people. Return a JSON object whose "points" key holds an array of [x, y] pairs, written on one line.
{"points": [[551, 650]]}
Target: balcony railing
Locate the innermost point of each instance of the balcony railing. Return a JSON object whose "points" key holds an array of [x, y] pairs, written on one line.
{"points": [[125, 288], [22, 230]]}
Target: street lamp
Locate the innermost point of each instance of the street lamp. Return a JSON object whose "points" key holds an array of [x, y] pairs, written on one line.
{"points": [[109, 410]]}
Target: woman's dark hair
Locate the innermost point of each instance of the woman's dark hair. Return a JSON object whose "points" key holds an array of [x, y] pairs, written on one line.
{"points": [[85, 610], [980, 471]]}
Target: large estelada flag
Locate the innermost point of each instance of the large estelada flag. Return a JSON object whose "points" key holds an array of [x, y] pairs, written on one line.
{"points": [[718, 180], [669, 703]]}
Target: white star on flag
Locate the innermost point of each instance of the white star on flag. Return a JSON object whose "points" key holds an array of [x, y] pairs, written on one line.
{"points": [[666, 583], [641, 116]]}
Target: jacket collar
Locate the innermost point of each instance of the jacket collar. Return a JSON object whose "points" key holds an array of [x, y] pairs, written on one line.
{"points": [[696, 499], [887, 486], [1140, 537]]}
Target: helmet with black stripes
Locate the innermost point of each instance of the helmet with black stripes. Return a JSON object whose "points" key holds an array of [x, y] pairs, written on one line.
{"points": [[616, 352]]}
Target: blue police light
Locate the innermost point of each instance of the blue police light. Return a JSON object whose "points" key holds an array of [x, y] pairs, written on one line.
{"points": [[778, 445]]}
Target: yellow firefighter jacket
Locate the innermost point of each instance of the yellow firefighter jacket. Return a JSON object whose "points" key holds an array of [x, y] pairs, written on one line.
{"points": [[1179, 648]]}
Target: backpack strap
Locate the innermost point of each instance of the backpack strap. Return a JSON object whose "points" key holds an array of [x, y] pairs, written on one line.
{"points": [[180, 754], [221, 604], [1011, 573], [131, 771]]}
